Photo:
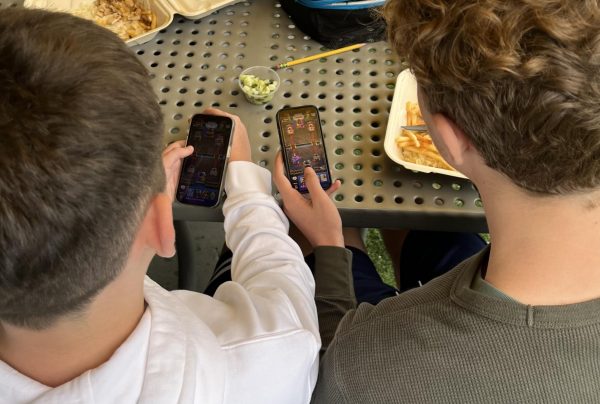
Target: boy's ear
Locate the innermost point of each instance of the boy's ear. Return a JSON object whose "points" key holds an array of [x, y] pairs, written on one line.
{"points": [[157, 226], [455, 142]]}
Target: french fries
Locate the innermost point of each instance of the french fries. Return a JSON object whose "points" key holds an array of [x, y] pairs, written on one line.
{"points": [[417, 146]]}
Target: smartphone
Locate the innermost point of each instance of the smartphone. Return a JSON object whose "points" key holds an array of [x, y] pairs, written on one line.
{"points": [[202, 173], [302, 145]]}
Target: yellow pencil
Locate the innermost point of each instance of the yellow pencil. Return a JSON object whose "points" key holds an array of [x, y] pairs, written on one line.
{"points": [[318, 56]]}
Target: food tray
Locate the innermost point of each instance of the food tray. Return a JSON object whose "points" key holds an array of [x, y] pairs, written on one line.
{"points": [[406, 90], [164, 10]]}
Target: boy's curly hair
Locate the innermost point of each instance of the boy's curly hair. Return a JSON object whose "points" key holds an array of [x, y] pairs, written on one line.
{"points": [[520, 77]]}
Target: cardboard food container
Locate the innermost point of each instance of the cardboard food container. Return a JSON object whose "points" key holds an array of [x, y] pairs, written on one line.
{"points": [[164, 10], [406, 90]]}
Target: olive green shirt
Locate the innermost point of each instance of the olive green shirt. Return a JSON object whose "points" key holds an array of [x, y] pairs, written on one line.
{"points": [[445, 342]]}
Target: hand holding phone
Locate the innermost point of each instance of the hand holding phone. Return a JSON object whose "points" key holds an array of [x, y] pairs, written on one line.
{"points": [[317, 218], [203, 172], [172, 158], [240, 145], [303, 145]]}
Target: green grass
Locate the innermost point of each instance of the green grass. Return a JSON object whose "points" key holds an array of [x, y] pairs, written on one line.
{"points": [[380, 257]]}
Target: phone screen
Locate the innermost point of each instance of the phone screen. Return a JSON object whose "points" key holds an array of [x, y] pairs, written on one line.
{"points": [[202, 173], [302, 145]]}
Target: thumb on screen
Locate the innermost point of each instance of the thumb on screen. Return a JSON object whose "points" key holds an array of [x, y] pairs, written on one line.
{"points": [[312, 182]]}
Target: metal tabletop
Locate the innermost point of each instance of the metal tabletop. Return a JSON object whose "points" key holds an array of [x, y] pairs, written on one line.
{"points": [[195, 64]]}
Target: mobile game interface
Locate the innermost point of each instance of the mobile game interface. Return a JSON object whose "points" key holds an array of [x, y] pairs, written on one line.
{"points": [[202, 172], [303, 145]]}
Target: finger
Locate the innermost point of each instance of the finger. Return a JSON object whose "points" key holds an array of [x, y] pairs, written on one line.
{"points": [[174, 145], [279, 177], [313, 184], [215, 111], [177, 154], [333, 188], [288, 194]]}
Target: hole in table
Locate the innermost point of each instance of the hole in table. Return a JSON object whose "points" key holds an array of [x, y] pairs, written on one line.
{"points": [[339, 97], [339, 110], [268, 120], [438, 201], [198, 104], [436, 185], [174, 131], [339, 151], [398, 200], [264, 148], [358, 198], [418, 200], [357, 166], [266, 134], [339, 197], [459, 203], [456, 187], [339, 166], [357, 152], [268, 107], [376, 152], [339, 136], [358, 182], [378, 198], [356, 97], [375, 138], [177, 117], [376, 167]]}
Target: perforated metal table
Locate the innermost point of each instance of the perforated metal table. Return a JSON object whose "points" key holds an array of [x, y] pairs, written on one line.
{"points": [[195, 64]]}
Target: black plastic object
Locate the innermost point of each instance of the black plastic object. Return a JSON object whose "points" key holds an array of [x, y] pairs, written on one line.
{"points": [[337, 28]]}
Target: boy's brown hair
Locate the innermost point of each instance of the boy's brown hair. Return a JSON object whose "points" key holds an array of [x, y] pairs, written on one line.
{"points": [[520, 77], [80, 143]]}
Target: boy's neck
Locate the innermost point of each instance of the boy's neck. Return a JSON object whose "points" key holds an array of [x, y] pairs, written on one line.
{"points": [[64, 351], [545, 250]]}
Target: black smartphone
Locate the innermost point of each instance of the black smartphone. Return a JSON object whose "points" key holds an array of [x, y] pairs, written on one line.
{"points": [[202, 173], [302, 145]]}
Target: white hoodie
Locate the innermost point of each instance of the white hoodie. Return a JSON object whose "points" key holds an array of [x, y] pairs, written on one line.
{"points": [[256, 341]]}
